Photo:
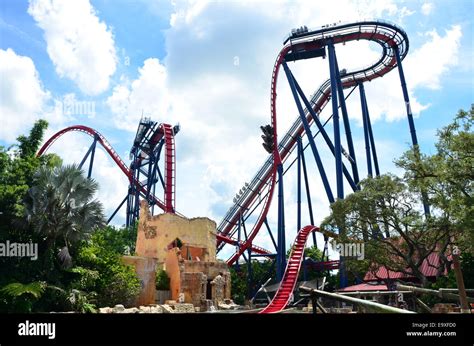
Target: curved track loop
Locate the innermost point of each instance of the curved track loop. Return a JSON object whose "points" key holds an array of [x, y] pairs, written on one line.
{"points": [[388, 36], [288, 283], [169, 161]]}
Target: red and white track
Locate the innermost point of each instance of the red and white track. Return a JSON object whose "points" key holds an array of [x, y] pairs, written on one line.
{"points": [[288, 283], [170, 175], [170, 168]]}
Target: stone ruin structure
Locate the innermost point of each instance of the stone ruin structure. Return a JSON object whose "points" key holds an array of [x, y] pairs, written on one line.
{"points": [[186, 250]]}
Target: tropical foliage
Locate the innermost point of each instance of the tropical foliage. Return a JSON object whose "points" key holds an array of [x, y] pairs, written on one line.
{"points": [[79, 264]]}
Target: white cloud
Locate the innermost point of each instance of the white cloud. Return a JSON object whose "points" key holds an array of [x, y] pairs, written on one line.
{"points": [[427, 8], [428, 63], [23, 99], [78, 43], [145, 95]]}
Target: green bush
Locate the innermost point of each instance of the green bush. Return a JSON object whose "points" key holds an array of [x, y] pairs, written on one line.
{"points": [[100, 269], [18, 297], [162, 280]]}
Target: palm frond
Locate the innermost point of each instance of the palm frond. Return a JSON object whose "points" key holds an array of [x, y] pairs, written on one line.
{"points": [[17, 289]]}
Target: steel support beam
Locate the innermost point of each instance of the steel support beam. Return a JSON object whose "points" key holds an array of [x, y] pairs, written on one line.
{"points": [[411, 122], [335, 118], [298, 188], [323, 132], [372, 141], [281, 257], [366, 129], [309, 134], [308, 194], [347, 126], [117, 209]]}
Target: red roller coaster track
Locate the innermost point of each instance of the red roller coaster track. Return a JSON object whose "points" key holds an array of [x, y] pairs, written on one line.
{"points": [[170, 168], [288, 283], [169, 160], [390, 37]]}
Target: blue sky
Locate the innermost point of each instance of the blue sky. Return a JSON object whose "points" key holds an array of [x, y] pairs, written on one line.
{"points": [[175, 62]]}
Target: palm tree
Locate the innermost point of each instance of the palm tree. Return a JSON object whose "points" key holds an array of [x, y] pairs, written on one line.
{"points": [[60, 208]]}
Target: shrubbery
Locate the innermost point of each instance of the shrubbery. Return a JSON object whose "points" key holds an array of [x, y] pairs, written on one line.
{"points": [[162, 280]]}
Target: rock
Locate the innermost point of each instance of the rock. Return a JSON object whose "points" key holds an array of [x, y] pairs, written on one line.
{"points": [[118, 308], [197, 309], [184, 308], [170, 302], [223, 306], [130, 311], [156, 309], [167, 309], [145, 309], [106, 310]]}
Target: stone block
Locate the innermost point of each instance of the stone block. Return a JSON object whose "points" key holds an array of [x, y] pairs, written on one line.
{"points": [[184, 308], [167, 309]]}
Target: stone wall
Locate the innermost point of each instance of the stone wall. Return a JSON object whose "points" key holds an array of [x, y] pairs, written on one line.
{"points": [[146, 272], [155, 233], [194, 287]]}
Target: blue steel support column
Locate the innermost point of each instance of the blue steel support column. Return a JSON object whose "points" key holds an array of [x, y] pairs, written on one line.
{"points": [[271, 234], [298, 223], [366, 129], [337, 144], [149, 181], [249, 262], [323, 131], [335, 118], [347, 126], [308, 194], [238, 234], [411, 122], [91, 163], [137, 197], [298, 198], [281, 254], [90, 151], [309, 134], [117, 209], [372, 141]]}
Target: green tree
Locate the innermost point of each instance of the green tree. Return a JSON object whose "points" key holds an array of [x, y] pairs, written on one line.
{"points": [[448, 177], [99, 269], [386, 212], [386, 203], [60, 208], [18, 163]]}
